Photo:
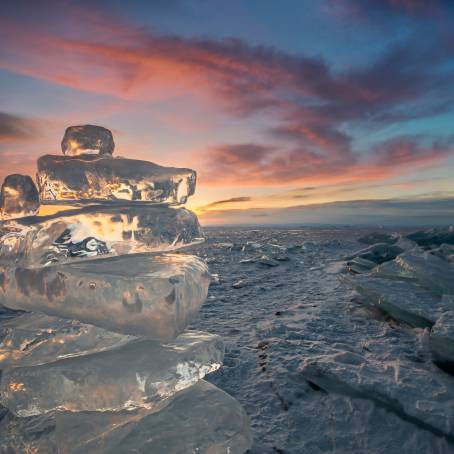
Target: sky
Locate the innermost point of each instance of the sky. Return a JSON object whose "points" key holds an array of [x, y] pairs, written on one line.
{"points": [[297, 111]]}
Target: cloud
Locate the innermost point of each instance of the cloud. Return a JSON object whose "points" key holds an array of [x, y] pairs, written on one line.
{"points": [[313, 115], [253, 164], [224, 202], [364, 8], [16, 128]]}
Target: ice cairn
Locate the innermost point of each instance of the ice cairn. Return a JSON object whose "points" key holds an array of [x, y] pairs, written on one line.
{"points": [[94, 355]]}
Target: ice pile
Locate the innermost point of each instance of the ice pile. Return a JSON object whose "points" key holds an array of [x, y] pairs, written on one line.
{"points": [[94, 355]]}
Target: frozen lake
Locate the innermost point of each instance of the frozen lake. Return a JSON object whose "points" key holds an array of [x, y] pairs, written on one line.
{"points": [[273, 318]]}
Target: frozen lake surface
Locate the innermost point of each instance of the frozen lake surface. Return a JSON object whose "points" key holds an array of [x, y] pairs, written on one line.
{"points": [[274, 318]]}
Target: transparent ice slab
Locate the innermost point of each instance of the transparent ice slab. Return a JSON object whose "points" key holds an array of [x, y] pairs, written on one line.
{"points": [[413, 391], [94, 177], [32, 339], [142, 373], [402, 300], [18, 197], [441, 340], [97, 231], [151, 295], [200, 419], [87, 139], [378, 253], [430, 271]]}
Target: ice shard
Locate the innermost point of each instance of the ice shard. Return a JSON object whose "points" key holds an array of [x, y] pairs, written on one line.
{"points": [[378, 253], [31, 339], [142, 373], [97, 231], [441, 340], [87, 139], [401, 300], [200, 419], [151, 295], [18, 197], [430, 271], [94, 177], [414, 392]]}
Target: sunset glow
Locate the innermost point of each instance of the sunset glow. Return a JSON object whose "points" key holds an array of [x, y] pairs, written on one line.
{"points": [[277, 107]]}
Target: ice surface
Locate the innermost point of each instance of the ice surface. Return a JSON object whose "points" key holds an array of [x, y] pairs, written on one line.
{"points": [[68, 178], [378, 253], [402, 300], [433, 237], [359, 265], [141, 373], [414, 393], [151, 295], [31, 339], [87, 139], [18, 197], [377, 237], [96, 231], [202, 419], [432, 272], [441, 340]]}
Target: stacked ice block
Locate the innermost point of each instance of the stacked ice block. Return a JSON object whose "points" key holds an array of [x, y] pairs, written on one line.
{"points": [[94, 355]]}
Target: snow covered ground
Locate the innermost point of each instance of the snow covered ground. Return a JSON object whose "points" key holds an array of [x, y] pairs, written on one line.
{"points": [[280, 322]]}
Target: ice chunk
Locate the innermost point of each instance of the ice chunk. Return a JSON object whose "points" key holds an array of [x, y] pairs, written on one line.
{"points": [[430, 271], [433, 237], [31, 339], [200, 419], [68, 178], [402, 300], [377, 237], [151, 295], [359, 265], [378, 253], [412, 391], [18, 197], [441, 340], [95, 231], [87, 139], [142, 373]]}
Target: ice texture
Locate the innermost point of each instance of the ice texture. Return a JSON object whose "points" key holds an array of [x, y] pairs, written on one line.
{"points": [[94, 177], [377, 237], [441, 340], [414, 393], [87, 139], [96, 231], [433, 237], [31, 339], [18, 197], [151, 295], [378, 253], [201, 419], [142, 373], [402, 300], [430, 271]]}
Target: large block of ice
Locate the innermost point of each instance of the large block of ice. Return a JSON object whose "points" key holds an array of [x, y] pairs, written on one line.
{"points": [[402, 300], [18, 197], [151, 295], [141, 373], [87, 139], [378, 253], [96, 231], [200, 419], [68, 178], [411, 390], [32, 339], [432, 272], [441, 340]]}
